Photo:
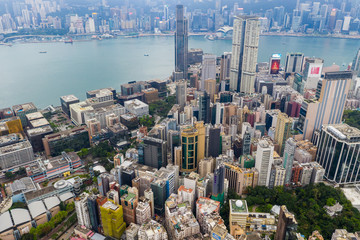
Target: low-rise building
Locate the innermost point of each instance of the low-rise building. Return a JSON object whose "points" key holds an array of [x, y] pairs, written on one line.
{"points": [[137, 107]]}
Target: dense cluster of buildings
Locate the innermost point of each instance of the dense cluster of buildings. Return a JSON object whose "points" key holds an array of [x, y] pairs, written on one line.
{"points": [[338, 17]]}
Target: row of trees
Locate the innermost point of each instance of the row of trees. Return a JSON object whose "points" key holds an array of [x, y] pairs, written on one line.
{"points": [[46, 228]]}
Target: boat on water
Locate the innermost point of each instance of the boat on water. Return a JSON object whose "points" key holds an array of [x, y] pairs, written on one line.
{"points": [[146, 55], [69, 40], [43, 52]]}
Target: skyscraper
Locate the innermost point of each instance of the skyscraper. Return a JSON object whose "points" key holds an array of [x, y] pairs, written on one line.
{"points": [[82, 210], [264, 160], [208, 69], [244, 54], [225, 66], [154, 152], [181, 42], [328, 108], [189, 144], [356, 63], [288, 160], [338, 153], [283, 130], [181, 93], [294, 62]]}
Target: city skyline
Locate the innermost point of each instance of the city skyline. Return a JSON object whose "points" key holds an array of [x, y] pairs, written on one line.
{"points": [[230, 145]]}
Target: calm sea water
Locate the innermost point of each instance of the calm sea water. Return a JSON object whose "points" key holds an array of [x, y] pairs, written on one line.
{"points": [[26, 75]]}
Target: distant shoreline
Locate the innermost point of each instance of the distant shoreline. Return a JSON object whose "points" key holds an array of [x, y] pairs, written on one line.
{"points": [[142, 35]]}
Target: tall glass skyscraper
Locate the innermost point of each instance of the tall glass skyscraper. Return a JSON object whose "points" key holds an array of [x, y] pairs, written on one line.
{"points": [[338, 153], [244, 54], [181, 42]]}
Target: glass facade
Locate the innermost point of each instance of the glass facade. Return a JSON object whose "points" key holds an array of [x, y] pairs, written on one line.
{"points": [[339, 157]]}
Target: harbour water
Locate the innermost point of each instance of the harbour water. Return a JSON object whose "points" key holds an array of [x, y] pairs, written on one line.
{"points": [[26, 75]]}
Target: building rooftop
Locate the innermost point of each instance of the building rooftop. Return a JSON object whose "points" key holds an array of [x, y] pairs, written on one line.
{"points": [[238, 206], [15, 147], [39, 130], [66, 196], [9, 139], [69, 98], [110, 205], [20, 216], [23, 107], [36, 208], [5, 221], [34, 116], [39, 122], [135, 103], [67, 133], [207, 205], [51, 202], [343, 132], [23, 185]]}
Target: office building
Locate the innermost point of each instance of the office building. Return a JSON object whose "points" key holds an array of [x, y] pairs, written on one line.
{"points": [[104, 94], [76, 139], [154, 152], [287, 225], [218, 182], [288, 159], [294, 63], [208, 70], [328, 107], [283, 130], [356, 63], [137, 107], [204, 107], [181, 93], [15, 154], [189, 147], [214, 142], [181, 43], [66, 101], [264, 160], [23, 109], [312, 72], [225, 67], [151, 95], [210, 88], [36, 135], [112, 219], [244, 54], [158, 188], [338, 153], [82, 211], [195, 56], [93, 212], [277, 176]]}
